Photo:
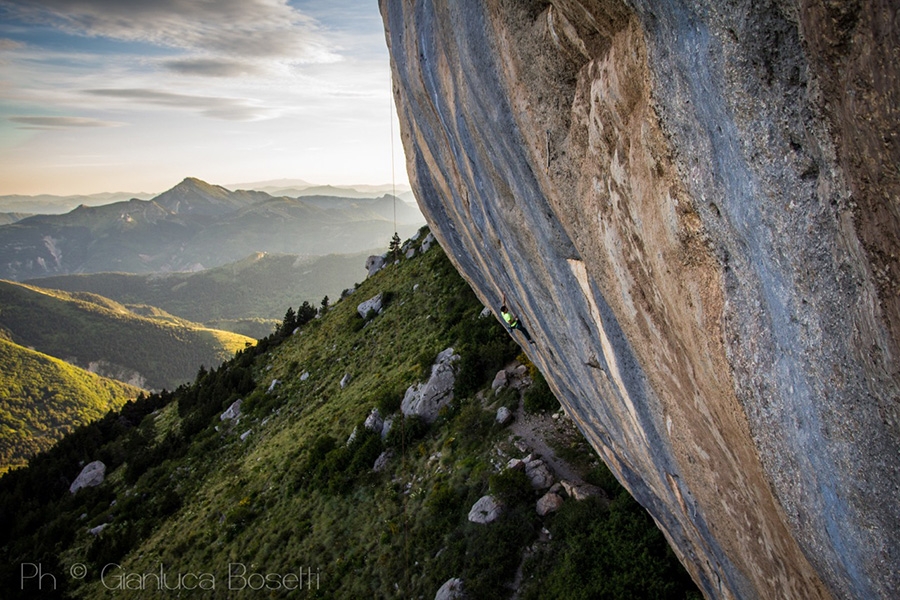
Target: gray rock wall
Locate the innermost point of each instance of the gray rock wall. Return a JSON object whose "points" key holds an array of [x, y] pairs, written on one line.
{"points": [[693, 207]]}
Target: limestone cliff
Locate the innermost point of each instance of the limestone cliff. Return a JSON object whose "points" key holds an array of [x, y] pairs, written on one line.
{"points": [[694, 207]]}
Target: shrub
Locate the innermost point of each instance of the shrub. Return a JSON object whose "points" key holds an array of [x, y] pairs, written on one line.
{"points": [[405, 430], [511, 486], [539, 397]]}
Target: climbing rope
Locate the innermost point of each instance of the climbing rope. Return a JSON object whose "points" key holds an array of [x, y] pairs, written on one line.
{"points": [[393, 176]]}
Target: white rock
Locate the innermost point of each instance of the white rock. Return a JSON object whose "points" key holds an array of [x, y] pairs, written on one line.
{"points": [[500, 381], [246, 434], [233, 412], [375, 264], [485, 510], [451, 590], [96, 530], [504, 416], [426, 400], [382, 460], [91, 475], [272, 385], [540, 476], [345, 380], [374, 422], [427, 242], [373, 303]]}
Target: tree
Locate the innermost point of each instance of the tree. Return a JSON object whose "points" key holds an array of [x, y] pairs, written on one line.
{"points": [[289, 322], [395, 246], [306, 313]]}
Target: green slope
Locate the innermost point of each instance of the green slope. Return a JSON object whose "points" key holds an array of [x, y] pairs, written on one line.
{"points": [[286, 492], [43, 398], [89, 330], [259, 288]]}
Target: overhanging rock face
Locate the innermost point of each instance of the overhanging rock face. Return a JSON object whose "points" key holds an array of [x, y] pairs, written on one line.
{"points": [[693, 207]]}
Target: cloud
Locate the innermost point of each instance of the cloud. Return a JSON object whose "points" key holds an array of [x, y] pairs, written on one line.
{"points": [[61, 122], [8, 44], [250, 29], [211, 67], [229, 109]]}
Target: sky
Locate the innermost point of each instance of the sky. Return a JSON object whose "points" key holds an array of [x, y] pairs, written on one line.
{"points": [[136, 95]]}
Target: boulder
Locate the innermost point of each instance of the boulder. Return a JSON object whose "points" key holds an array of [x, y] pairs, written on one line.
{"points": [[372, 304], [500, 380], [539, 474], [548, 503], [374, 422], [345, 380], [375, 264], [382, 461], [427, 242], [516, 464], [427, 399], [91, 475], [233, 411], [246, 434], [451, 590], [485, 510], [504, 416], [581, 491], [96, 530], [272, 385]]}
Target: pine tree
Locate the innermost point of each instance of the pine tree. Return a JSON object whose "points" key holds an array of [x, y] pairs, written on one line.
{"points": [[289, 322], [395, 246]]}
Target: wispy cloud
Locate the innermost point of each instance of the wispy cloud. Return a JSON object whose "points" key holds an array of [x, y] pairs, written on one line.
{"points": [[212, 67], [207, 30], [39, 122], [7, 44], [221, 108]]}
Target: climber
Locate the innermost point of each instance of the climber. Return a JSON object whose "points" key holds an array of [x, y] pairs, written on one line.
{"points": [[513, 321]]}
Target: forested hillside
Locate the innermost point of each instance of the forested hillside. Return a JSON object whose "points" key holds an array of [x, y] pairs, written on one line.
{"points": [[155, 351], [43, 398]]}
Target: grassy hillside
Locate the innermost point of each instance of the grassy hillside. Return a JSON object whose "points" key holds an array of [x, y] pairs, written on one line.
{"points": [[158, 351], [43, 398], [287, 495], [260, 288]]}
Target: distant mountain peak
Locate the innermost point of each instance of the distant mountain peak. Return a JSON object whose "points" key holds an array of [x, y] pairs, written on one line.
{"points": [[195, 196]]}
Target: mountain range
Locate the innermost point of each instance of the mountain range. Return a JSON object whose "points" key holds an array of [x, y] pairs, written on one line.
{"points": [[21, 206], [194, 226]]}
